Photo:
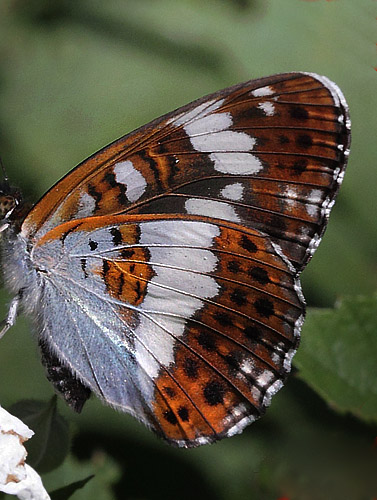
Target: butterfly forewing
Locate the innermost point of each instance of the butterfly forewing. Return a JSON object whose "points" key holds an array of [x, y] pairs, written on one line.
{"points": [[268, 154], [169, 260]]}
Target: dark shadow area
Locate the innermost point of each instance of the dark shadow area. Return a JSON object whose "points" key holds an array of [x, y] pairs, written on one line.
{"points": [[146, 472]]}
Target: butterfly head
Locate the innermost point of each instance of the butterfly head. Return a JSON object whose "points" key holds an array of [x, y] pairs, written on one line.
{"points": [[10, 201]]}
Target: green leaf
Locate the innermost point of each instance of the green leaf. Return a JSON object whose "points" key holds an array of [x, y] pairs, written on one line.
{"points": [[67, 491], [338, 354], [50, 444], [83, 479]]}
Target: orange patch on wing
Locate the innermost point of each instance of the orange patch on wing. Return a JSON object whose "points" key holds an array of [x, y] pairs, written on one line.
{"points": [[200, 400], [127, 281]]}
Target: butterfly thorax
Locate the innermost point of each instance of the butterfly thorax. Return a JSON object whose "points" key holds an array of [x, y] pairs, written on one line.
{"points": [[18, 271]]}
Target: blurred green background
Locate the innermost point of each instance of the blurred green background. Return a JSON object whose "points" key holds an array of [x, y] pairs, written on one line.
{"points": [[75, 75]]}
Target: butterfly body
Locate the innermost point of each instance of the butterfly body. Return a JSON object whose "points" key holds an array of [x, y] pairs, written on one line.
{"points": [[162, 273]]}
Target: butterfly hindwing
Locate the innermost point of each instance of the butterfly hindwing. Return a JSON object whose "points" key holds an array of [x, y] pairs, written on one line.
{"points": [[187, 323], [268, 154]]}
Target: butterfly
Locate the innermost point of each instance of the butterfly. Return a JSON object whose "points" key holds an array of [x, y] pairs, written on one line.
{"points": [[162, 273]]}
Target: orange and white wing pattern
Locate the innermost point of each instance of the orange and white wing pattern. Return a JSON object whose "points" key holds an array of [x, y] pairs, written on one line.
{"points": [[268, 154], [163, 271], [189, 324]]}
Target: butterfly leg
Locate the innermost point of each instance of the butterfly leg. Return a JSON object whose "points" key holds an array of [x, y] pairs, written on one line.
{"points": [[12, 314], [64, 381]]}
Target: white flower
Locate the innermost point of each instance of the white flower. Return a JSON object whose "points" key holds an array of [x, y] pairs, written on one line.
{"points": [[16, 477]]}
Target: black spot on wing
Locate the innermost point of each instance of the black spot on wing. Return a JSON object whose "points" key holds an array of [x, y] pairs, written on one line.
{"points": [[170, 417], [300, 166], [183, 414], [120, 284], [95, 194], [223, 318], [259, 274], [207, 341], [93, 245], [169, 392], [283, 139], [127, 253], [304, 141], [105, 268], [252, 332], [83, 267], [238, 297], [191, 368], [233, 360], [264, 307], [152, 165], [109, 178], [248, 245], [122, 198], [116, 236], [298, 112], [139, 292], [233, 266], [214, 393]]}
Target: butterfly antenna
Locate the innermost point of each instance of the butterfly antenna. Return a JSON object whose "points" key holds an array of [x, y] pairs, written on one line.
{"points": [[5, 177]]}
